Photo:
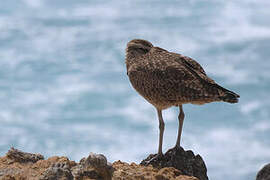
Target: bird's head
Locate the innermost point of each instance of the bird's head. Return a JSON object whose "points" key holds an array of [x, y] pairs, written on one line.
{"points": [[137, 47]]}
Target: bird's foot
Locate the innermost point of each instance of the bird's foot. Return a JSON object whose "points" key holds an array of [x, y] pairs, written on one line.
{"points": [[154, 160], [176, 147]]}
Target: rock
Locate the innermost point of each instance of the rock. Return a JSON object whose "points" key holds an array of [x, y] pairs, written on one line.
{"points": [[19, 156], [10, 174], [57, 171], [96, 160], [185, 161], [95, 166], [18, 165], [134, 171], [264, 173]]}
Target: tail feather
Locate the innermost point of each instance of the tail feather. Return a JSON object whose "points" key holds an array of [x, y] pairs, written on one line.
{"points": [[229, 96]]}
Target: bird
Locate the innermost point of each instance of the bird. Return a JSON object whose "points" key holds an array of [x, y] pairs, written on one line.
{"points": [[167, 79]]}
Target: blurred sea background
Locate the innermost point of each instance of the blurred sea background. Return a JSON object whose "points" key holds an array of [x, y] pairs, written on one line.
{"points": [[64, 89]]}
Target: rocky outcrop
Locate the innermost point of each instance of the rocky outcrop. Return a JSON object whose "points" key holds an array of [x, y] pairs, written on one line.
{"points": [[134, 171], [264, 173], [18, 165], [185, 161]]}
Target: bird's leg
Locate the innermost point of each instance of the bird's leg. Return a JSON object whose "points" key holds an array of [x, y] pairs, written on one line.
{"points": [[181, 117], [156, 158], [161, 131]]}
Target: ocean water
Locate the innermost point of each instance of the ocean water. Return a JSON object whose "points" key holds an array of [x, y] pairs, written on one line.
{"points": [[64, 89]]}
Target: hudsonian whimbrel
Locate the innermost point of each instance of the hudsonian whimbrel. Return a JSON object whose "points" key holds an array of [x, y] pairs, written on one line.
{"points": [[168, 79]]}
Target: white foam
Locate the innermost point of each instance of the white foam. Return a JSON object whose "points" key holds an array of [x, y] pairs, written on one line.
{"points": [[232, 74], [262, 126], [234, 24], [96, 10], [34, 3], [226, 149], [249, 107], [135, 109]]}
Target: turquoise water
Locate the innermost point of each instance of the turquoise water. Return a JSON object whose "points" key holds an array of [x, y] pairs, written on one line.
{"points": [[64, 89]]}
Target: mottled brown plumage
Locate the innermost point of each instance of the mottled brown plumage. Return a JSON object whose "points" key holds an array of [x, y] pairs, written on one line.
{"points": [[168, 79]]}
